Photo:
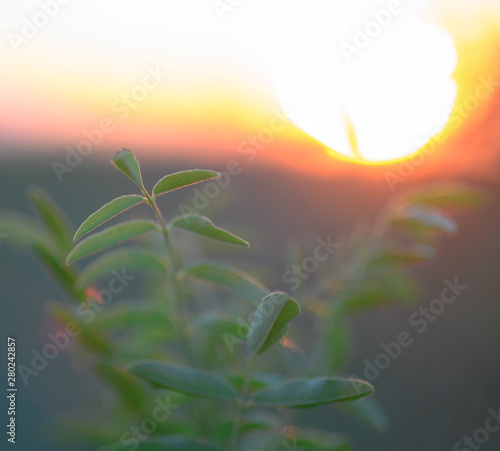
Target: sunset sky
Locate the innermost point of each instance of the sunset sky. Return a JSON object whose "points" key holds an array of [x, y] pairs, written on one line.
{"points": [[309, 82]]}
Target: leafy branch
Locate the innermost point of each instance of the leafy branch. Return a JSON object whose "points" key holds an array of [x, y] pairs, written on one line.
{"points": [[232, 399]]}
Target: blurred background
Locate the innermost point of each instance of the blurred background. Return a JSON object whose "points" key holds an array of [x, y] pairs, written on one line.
{"points": [[330, 110]]}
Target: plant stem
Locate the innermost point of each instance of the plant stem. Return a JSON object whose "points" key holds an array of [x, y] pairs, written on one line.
{"points": [[174, 282], [183, 330], [235, 433]]}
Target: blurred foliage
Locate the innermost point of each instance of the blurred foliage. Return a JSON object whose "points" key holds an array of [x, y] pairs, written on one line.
{"points": [[214, 345]]}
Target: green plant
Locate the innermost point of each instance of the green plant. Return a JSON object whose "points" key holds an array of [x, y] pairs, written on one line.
{"points": [[226, 377]]}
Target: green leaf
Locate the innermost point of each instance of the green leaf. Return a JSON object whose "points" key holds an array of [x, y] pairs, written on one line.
{"points": [[132, 394], [19, 229], [107, 212], [270, 321], [178, 180], [387, 287], [168, 443], [367, 410], [215, 335], [52, 216], [403, 256], [109, 237], [152, 338], [125, 161], [448, 196], [312, 392], [359, 297], [415, 220], [227, 277], [191, 381], [128, 315], [399, 286], [261, 421], [254, 384], [215, 324], [340, 342], [22, 231], [92, 341], [131, 259], [65, 276], [203, 226]]}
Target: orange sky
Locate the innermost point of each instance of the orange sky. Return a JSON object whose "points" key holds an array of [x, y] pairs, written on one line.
{"points": [[215, 107]]}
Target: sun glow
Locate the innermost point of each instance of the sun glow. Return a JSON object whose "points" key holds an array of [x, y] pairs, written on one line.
{"points": [[371, 81]]}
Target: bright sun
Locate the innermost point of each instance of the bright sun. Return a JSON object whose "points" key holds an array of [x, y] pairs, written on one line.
{"points": [[370, 80]]}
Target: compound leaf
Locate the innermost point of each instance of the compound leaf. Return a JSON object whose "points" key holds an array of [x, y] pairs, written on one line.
{"points": [[312, 392], [227, 277], [109, 237], [107, 212], [131, 259], [203, 226], [178, 180], [191, 381]]}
